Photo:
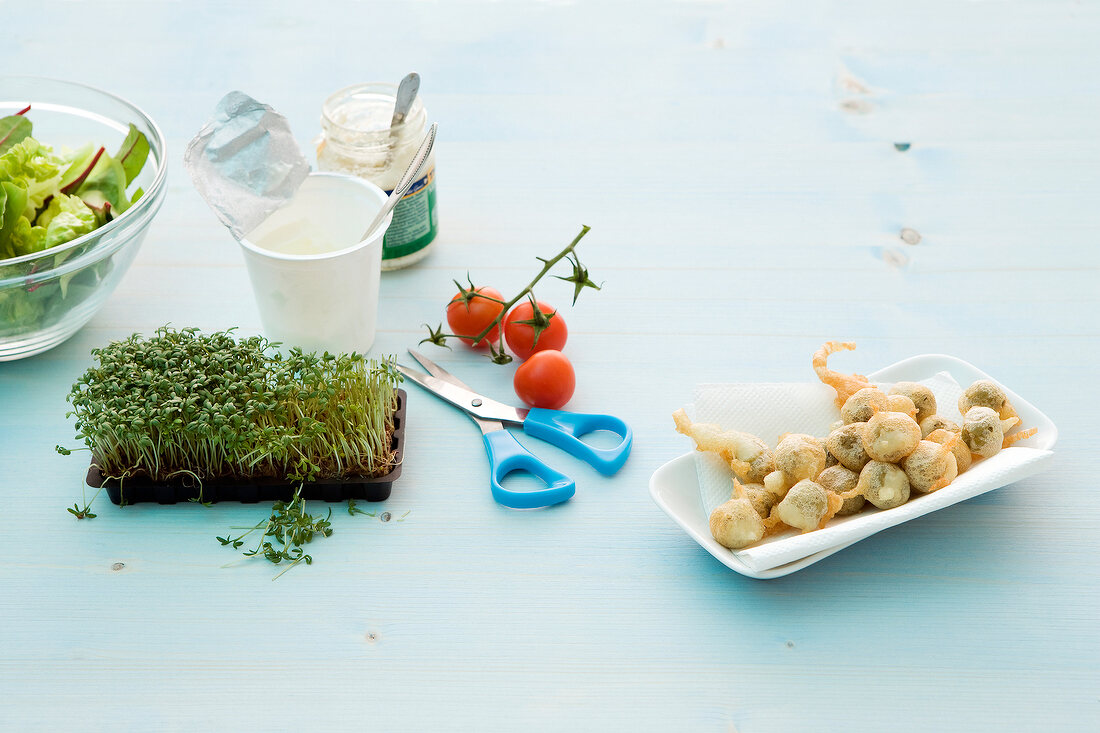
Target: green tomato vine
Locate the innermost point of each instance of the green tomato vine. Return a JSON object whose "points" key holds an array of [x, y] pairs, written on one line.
{"points": [[539, 321]]}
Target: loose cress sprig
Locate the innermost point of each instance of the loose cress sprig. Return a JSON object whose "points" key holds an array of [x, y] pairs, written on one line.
{"points": [[579, 277]]}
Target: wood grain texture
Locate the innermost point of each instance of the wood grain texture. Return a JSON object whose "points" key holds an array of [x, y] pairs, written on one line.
{"points": [[737, 164]]}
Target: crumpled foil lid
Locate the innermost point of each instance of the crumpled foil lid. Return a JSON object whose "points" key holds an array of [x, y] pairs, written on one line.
{"points": [[244, 162]]}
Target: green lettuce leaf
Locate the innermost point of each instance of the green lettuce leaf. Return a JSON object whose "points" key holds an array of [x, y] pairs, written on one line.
{"points": [[26, 239], [65, 219], [133, 153], [14, 129], [78, 161], [105, 184], [14, 201], [32, 166]]}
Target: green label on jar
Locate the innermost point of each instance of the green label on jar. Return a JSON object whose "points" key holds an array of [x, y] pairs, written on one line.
{"points": [[415, 220]]}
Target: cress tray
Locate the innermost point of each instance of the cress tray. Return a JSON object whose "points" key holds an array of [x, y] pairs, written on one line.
{"points": [[138, 490]]}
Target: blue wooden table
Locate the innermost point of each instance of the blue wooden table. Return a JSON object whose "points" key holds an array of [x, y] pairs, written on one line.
{"points": [[747, 171]]}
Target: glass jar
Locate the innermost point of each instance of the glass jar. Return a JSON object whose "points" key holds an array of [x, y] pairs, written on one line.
{"points": [[356, 138]]}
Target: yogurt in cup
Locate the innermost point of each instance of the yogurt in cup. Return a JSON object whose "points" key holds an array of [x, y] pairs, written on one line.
{"points": [[314, 278]]}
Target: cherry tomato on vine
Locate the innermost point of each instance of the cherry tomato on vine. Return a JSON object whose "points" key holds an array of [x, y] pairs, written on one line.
{"points": [[470, 319], [545, 380], [521, 335]]}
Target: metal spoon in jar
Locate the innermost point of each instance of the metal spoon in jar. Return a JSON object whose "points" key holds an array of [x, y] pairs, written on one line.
{"points": [[406, 181], [406, 94]]}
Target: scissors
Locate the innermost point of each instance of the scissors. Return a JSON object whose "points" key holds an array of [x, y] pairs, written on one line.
{"points": [[556, 427]]}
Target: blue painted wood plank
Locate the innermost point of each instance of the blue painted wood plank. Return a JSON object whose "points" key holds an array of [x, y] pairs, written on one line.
{"points": [[737, 164]]}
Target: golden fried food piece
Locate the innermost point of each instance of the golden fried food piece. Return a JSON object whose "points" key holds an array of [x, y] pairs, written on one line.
{"points": [[776, 483], [1017, 437], [922, 398], [883, 484], [758, 495], [845, 385], [984, 393], [807, 506], [901, 403], [840, 480], [931, 466], [987, 393], [863, 404], [963, 459], [846, 444], [933, 423], [983, 430], [890, 436], [749, 457], [736, 524], [799, 456]]}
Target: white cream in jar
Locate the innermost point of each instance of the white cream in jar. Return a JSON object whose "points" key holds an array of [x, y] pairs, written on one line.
{"points": [[357, 139]]}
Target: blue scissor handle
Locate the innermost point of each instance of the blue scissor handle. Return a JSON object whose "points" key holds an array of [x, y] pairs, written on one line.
{"points": [[507, 455], [564, 429]]}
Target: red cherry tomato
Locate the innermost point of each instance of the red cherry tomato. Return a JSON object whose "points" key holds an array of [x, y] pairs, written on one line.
{"points": [[521, 336], [470, 319], [545, 380]]}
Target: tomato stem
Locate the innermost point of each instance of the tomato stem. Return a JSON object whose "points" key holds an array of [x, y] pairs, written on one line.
{"points": [[497, 353], [546, 267]]}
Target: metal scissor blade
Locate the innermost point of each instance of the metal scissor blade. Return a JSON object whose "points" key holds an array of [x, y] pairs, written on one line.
{"points": [[437, 371], [465, 398]]}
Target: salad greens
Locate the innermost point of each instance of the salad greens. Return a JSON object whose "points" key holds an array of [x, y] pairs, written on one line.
{"points": [[49, 198]]}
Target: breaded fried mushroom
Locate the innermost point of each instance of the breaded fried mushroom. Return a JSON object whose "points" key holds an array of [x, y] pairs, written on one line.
{"points": [[840, 480], [749, 457], [807, 506], [963, 459], [931, 466], [846, 444], [883, 484], [901, 403], [845, 384], [736, 523], [799, 456], [922, 398], [937, 422], [983, 430], [987, 393], [776, 483], [863, 404], [890, 436], [758, 495]]}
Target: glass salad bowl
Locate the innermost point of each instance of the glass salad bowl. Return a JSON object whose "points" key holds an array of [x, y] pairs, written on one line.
{"points": [[48, 295]]}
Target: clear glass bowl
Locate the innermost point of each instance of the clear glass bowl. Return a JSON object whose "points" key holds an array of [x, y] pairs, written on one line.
{"points": [[47, 296]]}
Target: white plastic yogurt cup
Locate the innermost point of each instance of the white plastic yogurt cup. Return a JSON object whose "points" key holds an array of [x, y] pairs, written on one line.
{"points": [[315, 280]]}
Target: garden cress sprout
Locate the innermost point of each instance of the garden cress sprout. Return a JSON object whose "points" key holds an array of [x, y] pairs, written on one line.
{"points": [[213, 407]]}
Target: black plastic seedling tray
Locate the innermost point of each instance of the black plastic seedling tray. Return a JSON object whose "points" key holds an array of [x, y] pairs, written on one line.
{"points": [[141, 490]]}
